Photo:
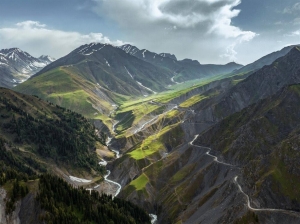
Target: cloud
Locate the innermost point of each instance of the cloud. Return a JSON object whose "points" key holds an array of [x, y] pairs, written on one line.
{"points": [[37, 39], [215, 15], [230, 53], [161, 25], [293, 9], [296, 33], [296, 21]]}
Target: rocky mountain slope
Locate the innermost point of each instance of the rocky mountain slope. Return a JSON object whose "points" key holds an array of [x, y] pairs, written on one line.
{"points": [[232, 173], [263, 139], [266, 60], [217, 151], [252, 154], [113, 69], [261, 84], [182, 70], [16, 66], [94, 78]]}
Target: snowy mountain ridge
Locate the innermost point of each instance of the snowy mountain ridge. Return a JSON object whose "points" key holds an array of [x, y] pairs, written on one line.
{"points": [[16, 66]]}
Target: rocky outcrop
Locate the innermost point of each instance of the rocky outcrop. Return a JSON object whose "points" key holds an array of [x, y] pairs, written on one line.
{"points": [[26, 211]]}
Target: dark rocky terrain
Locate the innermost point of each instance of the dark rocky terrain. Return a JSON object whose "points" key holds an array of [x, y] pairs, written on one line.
{"points": [[182, 70]]}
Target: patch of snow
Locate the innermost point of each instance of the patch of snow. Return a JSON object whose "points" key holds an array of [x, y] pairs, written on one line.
{"points": [[144, 53], [82, 49], [2, 57], [146, 87], [107, 62], [88, 53], [128, 72], [101, 47], [39, 64]]}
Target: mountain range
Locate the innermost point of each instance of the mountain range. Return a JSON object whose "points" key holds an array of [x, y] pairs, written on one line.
{"points": [[182, 70], [17, 66], [186, 142], [94, 78]]}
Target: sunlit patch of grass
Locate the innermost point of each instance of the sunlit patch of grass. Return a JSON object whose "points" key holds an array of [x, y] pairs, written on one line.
{"points": [[152, 144], [193, 100], [140, 182], [78, 99]]}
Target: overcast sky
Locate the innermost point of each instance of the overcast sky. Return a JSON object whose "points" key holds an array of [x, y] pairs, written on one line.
{"points": [[210, 31]]}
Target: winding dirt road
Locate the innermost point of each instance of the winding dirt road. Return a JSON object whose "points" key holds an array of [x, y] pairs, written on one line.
{"points": [[239, 186]]}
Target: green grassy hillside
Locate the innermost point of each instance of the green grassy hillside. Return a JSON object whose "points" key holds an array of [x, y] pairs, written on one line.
{"points": [[64, 87]]}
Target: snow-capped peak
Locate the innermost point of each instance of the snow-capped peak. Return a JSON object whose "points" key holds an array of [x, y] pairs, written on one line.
{"points": [[47, 58], [89, 49], [167, 55], [22, 65], [129, 49]]}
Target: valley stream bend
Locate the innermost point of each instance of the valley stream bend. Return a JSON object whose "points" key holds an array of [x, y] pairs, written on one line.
{"points": [[119, 187]]}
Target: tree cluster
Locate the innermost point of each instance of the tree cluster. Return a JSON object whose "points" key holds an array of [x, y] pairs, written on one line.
{"points": [[63, 135], [65, 204]]}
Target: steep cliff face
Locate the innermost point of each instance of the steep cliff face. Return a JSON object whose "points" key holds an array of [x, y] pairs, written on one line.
{"points": [[27, 210], [260, 85], [263, 140]]}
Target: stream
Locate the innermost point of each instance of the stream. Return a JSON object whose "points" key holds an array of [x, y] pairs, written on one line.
{"points": [[104, 163]]}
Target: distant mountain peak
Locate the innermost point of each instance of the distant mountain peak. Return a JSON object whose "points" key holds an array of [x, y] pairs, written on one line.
{"points": [[89, 49], [12, 52], [46, 58], [233, 64], [295, 49], [190, 61], [129, 49], [168, 55], [16, 66]]}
